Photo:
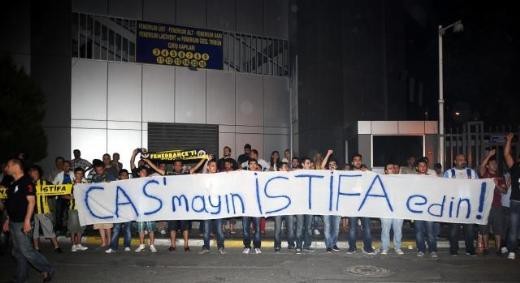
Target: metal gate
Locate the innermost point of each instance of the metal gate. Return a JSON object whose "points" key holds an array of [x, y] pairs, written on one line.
{"points": [[474, 140]]}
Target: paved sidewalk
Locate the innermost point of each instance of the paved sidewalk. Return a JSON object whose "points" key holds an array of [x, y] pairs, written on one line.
{"points": [[164, 266]]}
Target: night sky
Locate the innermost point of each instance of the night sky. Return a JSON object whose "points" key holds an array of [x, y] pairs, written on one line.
{"points": [[481, 71]]}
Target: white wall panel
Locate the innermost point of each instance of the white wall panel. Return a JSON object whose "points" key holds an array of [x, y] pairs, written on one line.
{"points": [[190, 98], [275, 142], [159, 11], [91, 142], [250, 16], [125, 8], [276, 102], [221, 14], [191, 13], [276, 18], [229, 140], [249, 100], [88, 124], [88, 89], [124, 92], [158, 93], [123, 142], [220, 97]]}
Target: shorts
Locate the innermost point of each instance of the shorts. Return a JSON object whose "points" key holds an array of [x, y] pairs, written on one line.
{"points": [[176, 225], [146, 225], [495, 224], [103, 226], [44, 222], [73, 225]]}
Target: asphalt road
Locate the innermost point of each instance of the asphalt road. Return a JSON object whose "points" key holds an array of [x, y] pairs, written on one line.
{"points": [[96, 266]]}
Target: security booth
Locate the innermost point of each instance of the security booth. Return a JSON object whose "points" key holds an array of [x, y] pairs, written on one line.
{"points": [[381, 142]]}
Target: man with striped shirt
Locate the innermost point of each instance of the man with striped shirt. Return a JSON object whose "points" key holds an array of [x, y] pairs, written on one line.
{"points": [[461, 171], [42, 213]]}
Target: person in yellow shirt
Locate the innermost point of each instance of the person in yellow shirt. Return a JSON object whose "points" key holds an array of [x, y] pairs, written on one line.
{"points": [[42, 213]]}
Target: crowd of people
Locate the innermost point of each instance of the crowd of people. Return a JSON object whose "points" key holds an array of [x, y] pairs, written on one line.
{"points": [[30, 217]]}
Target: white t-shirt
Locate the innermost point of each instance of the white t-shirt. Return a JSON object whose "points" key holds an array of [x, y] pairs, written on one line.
{"points": [[466, 173]]}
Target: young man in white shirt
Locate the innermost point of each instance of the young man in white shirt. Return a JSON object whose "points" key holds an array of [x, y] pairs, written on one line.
{"points": [[259, 161]]}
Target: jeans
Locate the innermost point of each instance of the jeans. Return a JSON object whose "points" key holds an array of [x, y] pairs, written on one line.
{"points": [[331, 230], [469, 237], [428, 228], [219, 233], [246, 231], [127, 235], [25, 254], [367, 236], [303, 231], [289, 226], [397, 226], [514, 218], [60, 210]]}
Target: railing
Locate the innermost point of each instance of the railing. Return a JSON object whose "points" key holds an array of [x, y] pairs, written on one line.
{"points": [[114, 39], [473, 140]]}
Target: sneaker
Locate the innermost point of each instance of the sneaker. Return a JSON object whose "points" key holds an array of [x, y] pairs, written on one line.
{"points": [[511, 256], [258, 251], [110, 251], [140, 248], [246, 251], [470, 253], [204, 251], [316, 232], [434, 255], [399, 252], [384, 252], [80, 247], [454, 253], [74, 248], [277, 250], [308, 250], [298, 251], [371, 252], [351, 251], [335, 248], [504, 250], [221, 251], [420, 254], [329, 250], [127, 249], [153, 249]]}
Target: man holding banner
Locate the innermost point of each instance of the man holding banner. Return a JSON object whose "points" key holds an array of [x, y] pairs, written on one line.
{"points": [[461, 171], [42, 216], [357, 165], [217, 223], [422, 227]]}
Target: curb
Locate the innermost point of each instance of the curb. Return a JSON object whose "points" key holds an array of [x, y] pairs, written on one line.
{"points": [[234, 243]]}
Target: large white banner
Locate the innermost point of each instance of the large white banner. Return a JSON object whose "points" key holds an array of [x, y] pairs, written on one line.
{"points": [[246, 193]]}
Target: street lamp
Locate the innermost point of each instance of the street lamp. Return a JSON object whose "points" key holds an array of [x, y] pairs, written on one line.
{"points": [[457, 27]]}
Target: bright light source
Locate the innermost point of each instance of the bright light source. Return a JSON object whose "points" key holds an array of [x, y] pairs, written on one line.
{"points": [[457, 113]]}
